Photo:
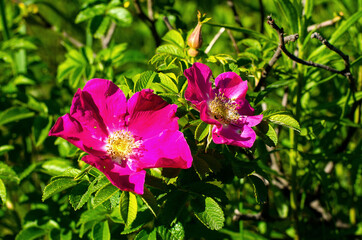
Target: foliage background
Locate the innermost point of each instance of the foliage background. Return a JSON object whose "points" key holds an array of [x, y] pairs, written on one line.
{"points": [[305, 183]]}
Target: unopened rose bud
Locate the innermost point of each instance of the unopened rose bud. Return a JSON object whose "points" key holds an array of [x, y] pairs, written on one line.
{"points": [[195, 39]]}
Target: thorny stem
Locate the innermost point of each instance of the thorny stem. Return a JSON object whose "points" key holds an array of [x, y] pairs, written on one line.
{"points": [[345, 72], [273, 60]]}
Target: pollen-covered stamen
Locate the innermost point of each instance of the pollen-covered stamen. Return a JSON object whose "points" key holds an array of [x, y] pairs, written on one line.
{"points": [[121, 145], [224, 110]]}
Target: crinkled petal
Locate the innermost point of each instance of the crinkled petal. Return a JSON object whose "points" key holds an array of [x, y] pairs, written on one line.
{"points": [[231, 85], [167, 150], [71, 130], [252, 121], [244, 107], [87, 114], [109, 100], [206, 116], [149, 114], [120, 176], [233, 135], [199, 87]]}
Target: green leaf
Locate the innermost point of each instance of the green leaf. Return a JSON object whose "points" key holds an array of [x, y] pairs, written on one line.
{"points": [[143, 217], [56, 166], [100, 30], [142, 235], [90, 218], [174, 37], [208, 190], [201, 131], [31, 233], [345, 26], [104, 194], [7, 173], [41, 128], [144, 80], [290, 14], [128, 207], [308, 6], [267, 133], [150, 201], [90, 12], [121, 15], [167, 82], [6, 148], [260, 190], [58, 185], [17, 44], [177, 232], [171, 50], [79, 195], [2, 191], [101, 231], [14, 114], [209, 213], [281, 118]]}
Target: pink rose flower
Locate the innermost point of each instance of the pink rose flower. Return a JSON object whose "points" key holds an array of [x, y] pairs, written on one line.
{"points": [[224, 106], [124, 137]]}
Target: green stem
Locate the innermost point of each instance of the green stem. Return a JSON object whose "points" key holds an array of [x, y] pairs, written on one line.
{"points": [[82, 173], [4, 24]]}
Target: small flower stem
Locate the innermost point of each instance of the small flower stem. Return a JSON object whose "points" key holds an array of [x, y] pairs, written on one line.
{"points": [[83, 172]]}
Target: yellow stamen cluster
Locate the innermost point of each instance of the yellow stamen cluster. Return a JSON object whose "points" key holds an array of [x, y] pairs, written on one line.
{"points": [[224, 110], [121, 145]]}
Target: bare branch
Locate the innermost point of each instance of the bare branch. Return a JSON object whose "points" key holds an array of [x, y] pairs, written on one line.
{"points": [[345, 72], [106, 39], [150, 22], [236, 15], [167, 22], [324, 24], [213, 41], [273, 60], [233, 41]]}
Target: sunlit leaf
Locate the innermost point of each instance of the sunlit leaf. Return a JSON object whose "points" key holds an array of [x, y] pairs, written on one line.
{"points": [[128, 207], [15, 114], [209, 213]]}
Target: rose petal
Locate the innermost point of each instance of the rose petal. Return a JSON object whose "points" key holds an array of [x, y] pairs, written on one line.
{"points": [[167, 150], [244, 107], [110, 101], [122, 177], [231, 85], [233, 135], [71, 130], [149, 114], [85, 111], [199, 87]]}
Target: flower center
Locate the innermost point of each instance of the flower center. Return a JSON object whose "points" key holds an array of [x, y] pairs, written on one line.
{"points": [[121, 145], [224, 110]]}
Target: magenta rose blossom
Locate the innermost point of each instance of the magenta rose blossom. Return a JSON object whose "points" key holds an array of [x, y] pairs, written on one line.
{"points": [[124, 137], [224, 106]]}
